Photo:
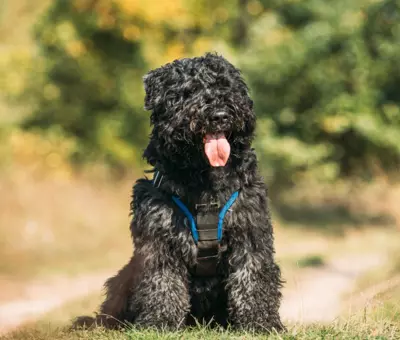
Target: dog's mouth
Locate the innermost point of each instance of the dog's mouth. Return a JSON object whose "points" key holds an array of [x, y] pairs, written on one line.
{"points": [[217, 149]]}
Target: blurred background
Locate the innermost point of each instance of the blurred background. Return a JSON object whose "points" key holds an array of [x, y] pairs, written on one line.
{"points": [[325, 78]]}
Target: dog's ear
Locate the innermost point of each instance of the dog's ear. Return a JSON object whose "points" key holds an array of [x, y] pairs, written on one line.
{"points": [[154, 88], [148, 82]]}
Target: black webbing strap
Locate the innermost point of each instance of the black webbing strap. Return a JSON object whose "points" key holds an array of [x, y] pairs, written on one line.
{"points": [[207, 245]]}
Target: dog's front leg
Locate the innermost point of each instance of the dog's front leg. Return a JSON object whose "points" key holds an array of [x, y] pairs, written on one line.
{"points": [[160, 298], [159, 295], [254, 280]]}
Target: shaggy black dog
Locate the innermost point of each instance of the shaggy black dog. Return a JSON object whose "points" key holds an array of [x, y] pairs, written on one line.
{"points": [[184, 268]]}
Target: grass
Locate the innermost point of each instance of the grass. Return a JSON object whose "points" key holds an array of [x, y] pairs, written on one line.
{"points": [[63, 315], [391, 305], [378, 291], [380, 321], [311, 261], [355, 328]]}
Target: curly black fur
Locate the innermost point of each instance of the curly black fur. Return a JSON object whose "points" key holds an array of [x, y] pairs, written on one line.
{"points": [[156, 288]]}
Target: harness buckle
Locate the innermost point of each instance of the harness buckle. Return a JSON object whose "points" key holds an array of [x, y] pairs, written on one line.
{"points": [[212, 204]]}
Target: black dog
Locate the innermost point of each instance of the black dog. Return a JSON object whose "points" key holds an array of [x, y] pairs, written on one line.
{"points": [[203, 238]]}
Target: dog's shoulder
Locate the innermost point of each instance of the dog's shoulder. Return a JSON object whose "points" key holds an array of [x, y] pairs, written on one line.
{"points": [[255, 193], [144, 192]]}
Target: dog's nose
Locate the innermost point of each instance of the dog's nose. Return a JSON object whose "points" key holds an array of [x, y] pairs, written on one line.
{"points": [[219, 117]]}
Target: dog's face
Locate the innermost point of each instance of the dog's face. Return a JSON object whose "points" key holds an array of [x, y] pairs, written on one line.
{"points": [[202, 114]]}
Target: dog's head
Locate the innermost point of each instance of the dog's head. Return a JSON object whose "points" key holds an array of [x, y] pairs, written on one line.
{"points": [[202, 114]]}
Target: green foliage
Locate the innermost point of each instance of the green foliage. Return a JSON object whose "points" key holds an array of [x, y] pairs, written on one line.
{"points": [[326, 80], [324, 76], [91, 87]]}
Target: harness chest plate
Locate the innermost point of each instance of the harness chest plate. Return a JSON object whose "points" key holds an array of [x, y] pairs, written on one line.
{"points": [[207, 244], [207, 232], [206, 228]]}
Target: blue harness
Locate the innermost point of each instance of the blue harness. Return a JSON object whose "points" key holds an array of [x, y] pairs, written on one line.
{"points": [[206, 228], [221, 216]]}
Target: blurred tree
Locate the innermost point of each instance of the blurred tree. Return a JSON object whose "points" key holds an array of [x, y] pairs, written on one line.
{"points": [[91, 89], [93, 56], [325, 77]]}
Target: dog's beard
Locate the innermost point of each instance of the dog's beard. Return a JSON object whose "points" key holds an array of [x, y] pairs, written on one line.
{"points": [[217, 149]]}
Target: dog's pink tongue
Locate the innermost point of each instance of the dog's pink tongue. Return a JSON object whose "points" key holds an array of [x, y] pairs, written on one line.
{"points": [[217, 149]]}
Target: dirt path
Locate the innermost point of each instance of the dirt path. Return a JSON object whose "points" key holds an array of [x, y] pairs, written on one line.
{"points": [[42, 297], [316, 296]]}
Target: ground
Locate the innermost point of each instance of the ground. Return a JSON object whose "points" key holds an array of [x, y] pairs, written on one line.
{"points": [[52, 274], [312, 294]]}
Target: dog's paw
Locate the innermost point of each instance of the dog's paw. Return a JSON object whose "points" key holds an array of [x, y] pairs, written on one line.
{"points": [[101, 320], [84, 322]]}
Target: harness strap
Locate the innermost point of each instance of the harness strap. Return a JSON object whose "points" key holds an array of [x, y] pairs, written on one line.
{"points": [[206, 221], [208, 244], [223, 212], [206, 228], [189, 216]]}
